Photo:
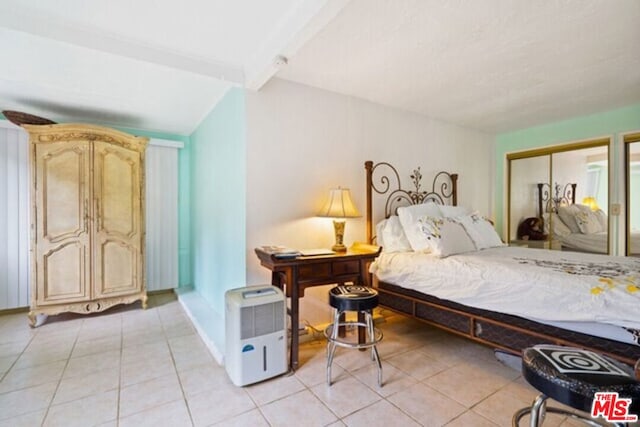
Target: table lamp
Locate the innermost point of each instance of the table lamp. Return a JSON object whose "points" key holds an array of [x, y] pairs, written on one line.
{"points": [[591, 202], [339, 205]]}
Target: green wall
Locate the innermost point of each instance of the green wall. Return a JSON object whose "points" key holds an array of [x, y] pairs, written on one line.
{"points": [[606, 124], [218, 201]]}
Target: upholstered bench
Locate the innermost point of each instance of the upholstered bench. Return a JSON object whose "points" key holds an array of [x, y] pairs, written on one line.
{"points": [[576, 378], [353, 298]]}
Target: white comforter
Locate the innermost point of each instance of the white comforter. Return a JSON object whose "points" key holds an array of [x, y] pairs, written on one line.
{"points": [[595, 242], [546, 286]]}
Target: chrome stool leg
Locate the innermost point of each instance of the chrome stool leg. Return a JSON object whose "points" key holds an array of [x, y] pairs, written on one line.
{"points": [[334, 331], [331, 344], [538, 410], [370, 331], [374, 348]]}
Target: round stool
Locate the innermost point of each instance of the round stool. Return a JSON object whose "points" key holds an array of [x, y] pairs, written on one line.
{"points": [[353, 298], [573, 376]]}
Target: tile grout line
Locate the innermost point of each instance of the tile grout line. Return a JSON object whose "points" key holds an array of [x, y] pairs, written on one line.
{"points": [[173, 361], [120, 370], [19, 356], [12, 366], [53, 396]]}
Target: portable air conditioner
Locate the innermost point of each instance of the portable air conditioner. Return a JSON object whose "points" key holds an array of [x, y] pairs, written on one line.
{"points": [[256, 334]]}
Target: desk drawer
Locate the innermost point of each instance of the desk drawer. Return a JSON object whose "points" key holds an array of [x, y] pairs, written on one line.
{"points": [[314, 271], [346, 267]]}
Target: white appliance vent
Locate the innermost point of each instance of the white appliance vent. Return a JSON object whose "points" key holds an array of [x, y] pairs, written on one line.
{"points": [[261, 319]]}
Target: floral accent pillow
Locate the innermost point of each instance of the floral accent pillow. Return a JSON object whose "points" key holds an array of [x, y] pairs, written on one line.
{"points": [[587, 220], [568, 215], [446, 236], [409, 219], [481, 231]]}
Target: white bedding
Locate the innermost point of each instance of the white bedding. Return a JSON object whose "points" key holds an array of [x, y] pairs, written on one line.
{"points": [[595, 242], [541, 285]]}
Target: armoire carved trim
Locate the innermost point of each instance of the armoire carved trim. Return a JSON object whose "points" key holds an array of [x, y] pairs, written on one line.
{"points": [[83, 177]]}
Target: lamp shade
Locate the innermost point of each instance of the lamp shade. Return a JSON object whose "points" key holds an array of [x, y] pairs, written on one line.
{"points": [[591, 202], [339, 205]]}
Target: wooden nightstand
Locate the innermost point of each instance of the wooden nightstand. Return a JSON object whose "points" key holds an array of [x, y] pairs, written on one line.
{"points": [[556, 245], [294, 275]]}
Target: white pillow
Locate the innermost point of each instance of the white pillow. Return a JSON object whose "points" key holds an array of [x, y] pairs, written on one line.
{"points": [[409, 215], [558, 227], [391, 235], [481, 231], [446, 236], [567, 215], [379, 232], [587, 220], [453, 211], [602, 218]]}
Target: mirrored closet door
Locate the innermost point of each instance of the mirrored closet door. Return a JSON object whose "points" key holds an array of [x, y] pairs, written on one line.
{"points": [[632, 163], [524, 197], [559, 197]]}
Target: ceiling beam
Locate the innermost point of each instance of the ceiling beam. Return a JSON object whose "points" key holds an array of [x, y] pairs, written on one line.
{"points": [[40, 25], [303, 22]]}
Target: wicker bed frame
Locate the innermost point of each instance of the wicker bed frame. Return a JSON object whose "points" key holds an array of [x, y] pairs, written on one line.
{"points": [[503, 331]]}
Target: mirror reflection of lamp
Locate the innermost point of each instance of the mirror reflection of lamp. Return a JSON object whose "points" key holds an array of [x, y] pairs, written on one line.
{"points": [[339, 205], [591, 202]]}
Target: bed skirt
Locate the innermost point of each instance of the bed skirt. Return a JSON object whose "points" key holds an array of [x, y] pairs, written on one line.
{"points": [[503, 331]]}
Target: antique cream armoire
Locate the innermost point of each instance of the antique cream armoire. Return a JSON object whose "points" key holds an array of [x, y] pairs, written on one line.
{"points": [[87, 219]]}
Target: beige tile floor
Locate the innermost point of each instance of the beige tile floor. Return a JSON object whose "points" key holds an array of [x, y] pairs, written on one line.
{"points": [[132, 367]]}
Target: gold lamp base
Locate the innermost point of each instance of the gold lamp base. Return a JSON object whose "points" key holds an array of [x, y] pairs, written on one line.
{"points": [[338, 226]]}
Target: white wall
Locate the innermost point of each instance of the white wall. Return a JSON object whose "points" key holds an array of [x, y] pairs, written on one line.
{"points": [[525, 176], [14, 216], [571, 167], [301, 141], [161, 209]]}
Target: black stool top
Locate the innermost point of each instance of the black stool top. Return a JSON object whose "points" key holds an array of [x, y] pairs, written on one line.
{"points": [[573, 376], [353, 298]]}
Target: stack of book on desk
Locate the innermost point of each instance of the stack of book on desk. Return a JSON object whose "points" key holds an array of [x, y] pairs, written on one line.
{"points": [[281, 251]]}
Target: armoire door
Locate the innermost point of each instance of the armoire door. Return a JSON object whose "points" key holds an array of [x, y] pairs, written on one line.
{"points": [[62, 230], [118, 236]]}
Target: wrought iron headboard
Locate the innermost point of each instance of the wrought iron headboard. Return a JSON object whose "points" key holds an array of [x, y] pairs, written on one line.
{"points": [[548, 202], [444, 188]]}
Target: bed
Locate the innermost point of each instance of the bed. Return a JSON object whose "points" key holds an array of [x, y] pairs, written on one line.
{"points": [[451, 292], [577, 227]]}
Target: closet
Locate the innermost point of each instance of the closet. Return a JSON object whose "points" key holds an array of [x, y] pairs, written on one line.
{"points": [[87, 219]]}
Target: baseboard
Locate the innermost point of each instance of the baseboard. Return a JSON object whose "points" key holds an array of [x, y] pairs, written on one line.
{"points": [[161, 291], [201, 314], [15, 310]]}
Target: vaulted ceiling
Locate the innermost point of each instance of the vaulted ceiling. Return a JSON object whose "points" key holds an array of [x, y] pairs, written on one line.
{"points": [[492, 65]]}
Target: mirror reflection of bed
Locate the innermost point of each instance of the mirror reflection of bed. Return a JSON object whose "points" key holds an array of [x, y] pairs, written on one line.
{"points": [[572, 202], [580, 227]]}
